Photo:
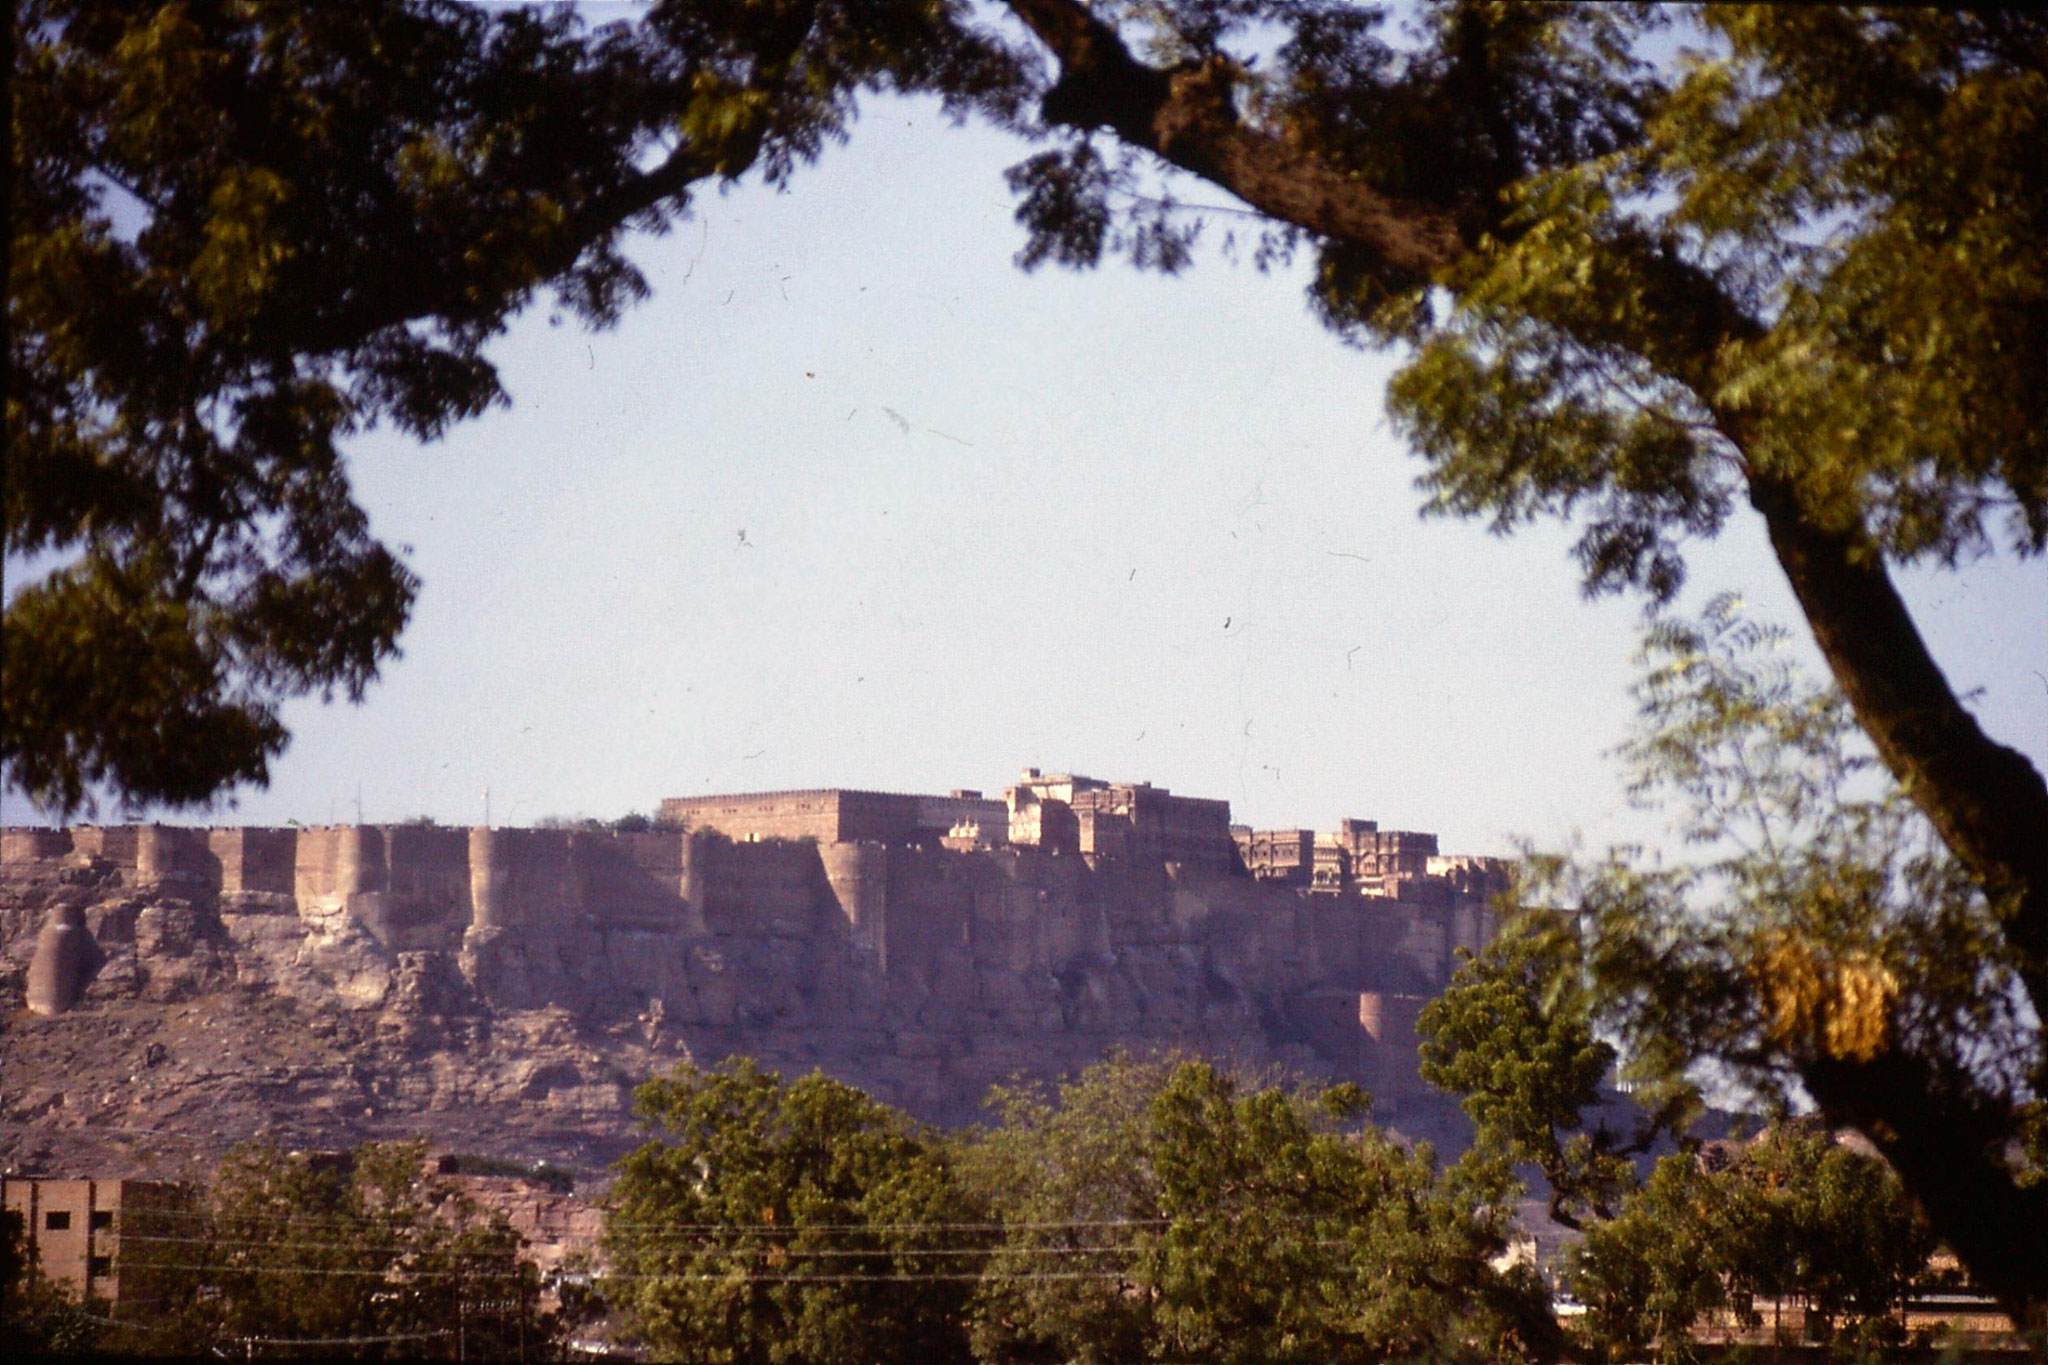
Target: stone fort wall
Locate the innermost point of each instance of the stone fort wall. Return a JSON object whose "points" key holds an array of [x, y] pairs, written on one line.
{"points": [[418, 887], [928, 963]]}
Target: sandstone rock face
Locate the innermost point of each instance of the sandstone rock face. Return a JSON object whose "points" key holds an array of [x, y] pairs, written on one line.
{"points": [[507, 988]]}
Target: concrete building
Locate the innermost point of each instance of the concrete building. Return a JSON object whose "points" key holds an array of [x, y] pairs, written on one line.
{"points": [[101, 1239]]}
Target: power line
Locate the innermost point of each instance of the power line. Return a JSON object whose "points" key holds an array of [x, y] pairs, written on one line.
{"points": [[848, 1277], [761, 1229], [706, 1245], [341, 1341]]}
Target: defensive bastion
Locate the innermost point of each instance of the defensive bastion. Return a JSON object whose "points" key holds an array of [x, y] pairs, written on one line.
{"points": [[924, 946]]}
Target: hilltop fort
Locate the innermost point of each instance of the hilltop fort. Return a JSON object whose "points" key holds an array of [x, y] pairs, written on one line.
{"points": [[923, 946]]}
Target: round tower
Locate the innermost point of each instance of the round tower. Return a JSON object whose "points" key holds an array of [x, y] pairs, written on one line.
{"points": [[487, 899], [65, 960], [358, 860], [161, 851]]}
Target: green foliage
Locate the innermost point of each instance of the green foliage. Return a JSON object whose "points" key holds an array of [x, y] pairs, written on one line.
{"points": [[1824, 921], [37, 1315], [798, 1222], [1156, 1210], [1163, 1211], [1071, 1180], [1819, 263], [1794, 1214], [1822, 946], [1285, 1241], [1527, 1065], [639, 822], [346, 1251], [241, 234], [13, 1260], [1798, 263]]}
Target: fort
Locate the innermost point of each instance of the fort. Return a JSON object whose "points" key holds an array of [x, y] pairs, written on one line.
{"points": [[925, 946]]}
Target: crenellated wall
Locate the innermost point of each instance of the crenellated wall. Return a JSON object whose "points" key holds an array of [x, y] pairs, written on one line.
{"points": [[523, 879], [28, 845], [416, 886], [254, 860], [769, 887], [930, 969]]}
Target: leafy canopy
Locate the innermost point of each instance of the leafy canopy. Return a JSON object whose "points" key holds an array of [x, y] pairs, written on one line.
{"points": [[369, 1254], [781, 1222], [1823, 947], [1792, 1214], [1152, 1210], [241, 234], [1806, 249], [1163, 1210]]}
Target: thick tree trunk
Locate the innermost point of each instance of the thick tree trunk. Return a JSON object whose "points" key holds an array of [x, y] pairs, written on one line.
{"points": [[1988, 803], [1952, 1159]]}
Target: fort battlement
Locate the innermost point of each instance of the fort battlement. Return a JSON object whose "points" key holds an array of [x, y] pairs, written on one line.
{"points": [[771, 862], [933, 944]]}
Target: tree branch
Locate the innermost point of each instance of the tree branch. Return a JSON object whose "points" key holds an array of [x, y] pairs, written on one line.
{"points": [[430, 295], [1188, 117], [1988, 802]]}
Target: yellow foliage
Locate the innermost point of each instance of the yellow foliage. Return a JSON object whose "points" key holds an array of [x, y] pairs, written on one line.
{"points": [[1840, 1008], [235, 270]]}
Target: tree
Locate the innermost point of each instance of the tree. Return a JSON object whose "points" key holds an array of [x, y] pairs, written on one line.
{"points": [[1527, 1067], [1164, 1211], [36, 1313], [364, 1255], [1803, 273], [1070, 1180], [798, 1222], [1807, 273], [1822, 946], [238, 234], [1794, 1214]]}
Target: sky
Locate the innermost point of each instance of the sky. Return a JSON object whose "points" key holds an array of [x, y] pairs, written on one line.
{"points": [[853, 501]]}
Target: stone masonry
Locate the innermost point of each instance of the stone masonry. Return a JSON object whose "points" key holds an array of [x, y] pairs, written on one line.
{"points": [[926, 947]]}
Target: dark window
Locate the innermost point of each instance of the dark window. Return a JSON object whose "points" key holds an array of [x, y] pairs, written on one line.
{"points": [[57, 1222], [99, 1267], [102, 1218]]}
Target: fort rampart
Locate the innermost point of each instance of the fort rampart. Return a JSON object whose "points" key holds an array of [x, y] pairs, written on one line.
{"points": [[932, 945]]}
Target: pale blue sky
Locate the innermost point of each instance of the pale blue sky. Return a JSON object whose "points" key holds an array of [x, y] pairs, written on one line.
{"points": [[1143, 528]]}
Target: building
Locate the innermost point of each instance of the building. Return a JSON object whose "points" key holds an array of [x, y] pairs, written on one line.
{"points": [[1134, 821], [1361, 859], [925, 947], [101, 1239], [834, 815]]}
